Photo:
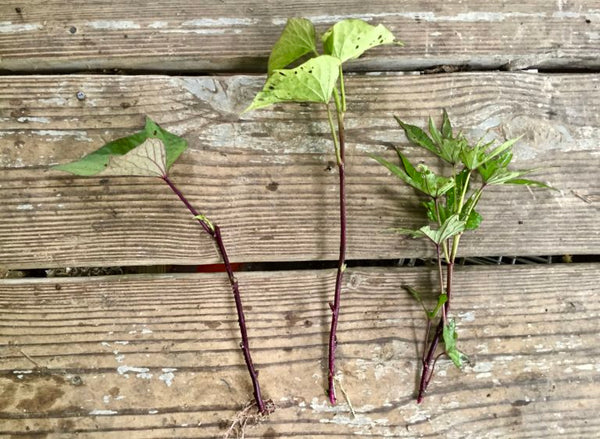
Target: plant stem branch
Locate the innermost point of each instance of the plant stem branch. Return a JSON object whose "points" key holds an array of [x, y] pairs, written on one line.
{"points": [[335, 307], [215, 232]]}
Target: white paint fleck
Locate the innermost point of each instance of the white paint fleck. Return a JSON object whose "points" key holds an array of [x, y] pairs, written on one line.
{"points": [[585, 367], [57, 135], [24, 119], [105, 344], [168, 376], [468, 316], [103, 412], [152, 412], [122, 342], [222, 22], [484, 366], [141, 372], [8, 27], [25, 207], [106, 399], [120, 358], [113, 24], [158, 24], [146, 331]]}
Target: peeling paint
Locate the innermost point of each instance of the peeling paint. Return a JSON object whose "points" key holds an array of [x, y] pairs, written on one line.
{"points": [[113, 24], [25, 119], [158, 24], [168, 376], [223, 22], [103, 412], [8, 27], [25, 207], [141, 372]]}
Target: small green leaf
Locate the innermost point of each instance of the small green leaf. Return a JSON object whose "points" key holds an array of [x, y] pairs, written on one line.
{"points": [[446, 126], [417, 136], [110, 158], [449, 228], [206, 221], [450, 336], [527, 182], [296, 40], [473, 221], [435, 134], [349, 39], [442, 298], [414, 293], [312, 81]]}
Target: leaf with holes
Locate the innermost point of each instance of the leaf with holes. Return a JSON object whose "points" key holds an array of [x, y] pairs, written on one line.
{"points": [[118, 157], [312, 81], [349, 39], [296, 40]]}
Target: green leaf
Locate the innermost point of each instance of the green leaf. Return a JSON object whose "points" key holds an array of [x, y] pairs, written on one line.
{"points": [[527, 182], [296, 40], [435, 134], [349, 39], [119, 158], [450, 336], [473, 221], [442, 298], [446, 126], [414, 293], [449, 228], [417, 136], [420, 178], [312, 81]]}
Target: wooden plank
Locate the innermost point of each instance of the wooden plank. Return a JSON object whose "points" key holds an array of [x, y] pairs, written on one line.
{"points": [[92, 358], [230, 35], [268, 177]]}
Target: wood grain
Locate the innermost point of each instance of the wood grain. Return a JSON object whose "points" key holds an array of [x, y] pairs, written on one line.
{"points": [[531, 333], [47, 36], [268, 177]]}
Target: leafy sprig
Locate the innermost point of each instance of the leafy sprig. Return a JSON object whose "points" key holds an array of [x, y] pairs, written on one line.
{"points": [[451, 202], [150, 153], [318, 80]]}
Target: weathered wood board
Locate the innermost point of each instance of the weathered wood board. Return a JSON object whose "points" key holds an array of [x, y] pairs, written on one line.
{"points": [[157, 356], [186, 35], [268, 176]]}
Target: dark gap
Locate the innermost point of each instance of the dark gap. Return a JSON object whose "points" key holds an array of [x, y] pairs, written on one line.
{"points": [[298, 265], [260, 70]]}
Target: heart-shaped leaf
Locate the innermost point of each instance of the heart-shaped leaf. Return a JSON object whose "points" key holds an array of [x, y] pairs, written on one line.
{"points": [[296, 40], [164, 152], [349, 39], [148, 159], [312, 81]]}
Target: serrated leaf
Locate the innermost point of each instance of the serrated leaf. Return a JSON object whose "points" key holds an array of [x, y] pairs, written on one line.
{"points": [[527, 182], [442, 299], [296, 40], [446, 126], [98, 161], [417, 136], [450, 336], [312, 81], [473, 221], [449, 228], [435, 134], [349, 39], [414, 293]]}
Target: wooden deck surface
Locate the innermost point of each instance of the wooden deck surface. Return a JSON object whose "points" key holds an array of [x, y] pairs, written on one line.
{"points": [[157, 355]]}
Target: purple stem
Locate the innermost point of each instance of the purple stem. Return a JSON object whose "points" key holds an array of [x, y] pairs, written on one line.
{"points": [[430, 359], [335, 307], [215, 232]]}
